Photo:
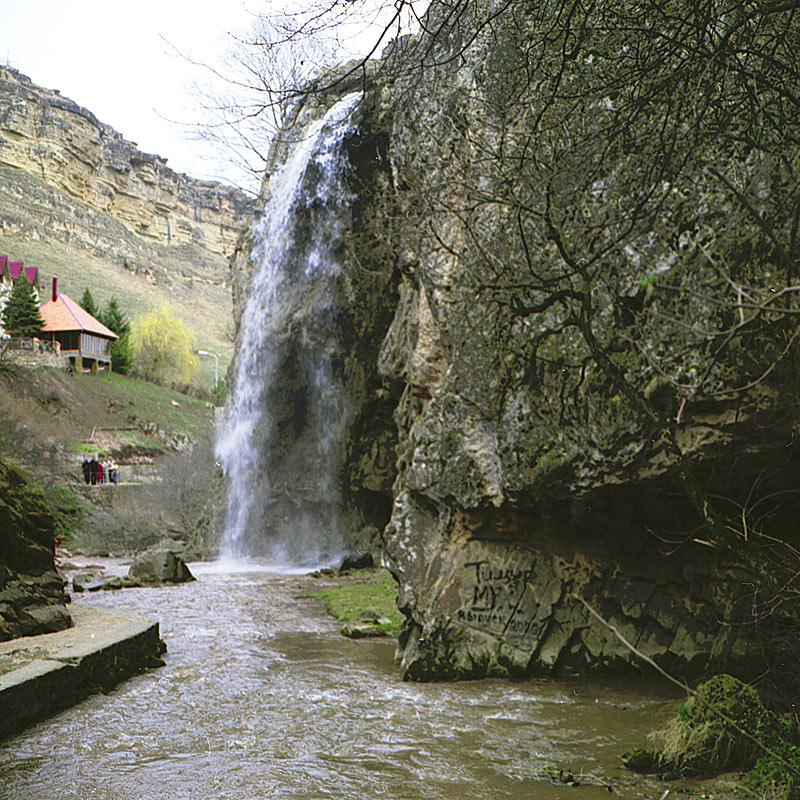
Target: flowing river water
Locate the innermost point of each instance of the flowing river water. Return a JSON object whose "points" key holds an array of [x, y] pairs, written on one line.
{"points": [[261, 697]]}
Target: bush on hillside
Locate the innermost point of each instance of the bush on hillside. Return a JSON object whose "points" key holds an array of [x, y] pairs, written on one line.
{"points": [[162, 347]]}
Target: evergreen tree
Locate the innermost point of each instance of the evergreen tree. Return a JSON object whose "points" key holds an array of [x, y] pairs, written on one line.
{"points": [[87, 303], [121, 357], [21, 316], [116, 320], [113, 318]]}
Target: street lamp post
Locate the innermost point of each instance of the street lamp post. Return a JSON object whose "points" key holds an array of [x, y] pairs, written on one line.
{"points": [[216, 358]]}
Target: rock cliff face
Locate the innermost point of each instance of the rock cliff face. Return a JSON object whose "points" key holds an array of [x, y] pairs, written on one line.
{"points": [[591, 422], [32, 595], [67, 147]]}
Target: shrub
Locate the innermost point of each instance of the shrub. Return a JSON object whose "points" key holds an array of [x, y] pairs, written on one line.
{"points": [[162, 347]]}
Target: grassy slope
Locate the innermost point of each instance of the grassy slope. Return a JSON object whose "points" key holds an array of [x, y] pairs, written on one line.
{"points": [[69, 409], [50, 416]]}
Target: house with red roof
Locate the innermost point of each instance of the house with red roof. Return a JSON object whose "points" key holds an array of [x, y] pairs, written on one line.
{"points": [[83, 339]]}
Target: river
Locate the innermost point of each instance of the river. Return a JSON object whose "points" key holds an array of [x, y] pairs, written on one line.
{"points": [[262, 698]]}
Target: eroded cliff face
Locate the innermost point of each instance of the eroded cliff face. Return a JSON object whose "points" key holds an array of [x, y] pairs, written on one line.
{"points": [[68, 176], [576, 442], [592, 426]]}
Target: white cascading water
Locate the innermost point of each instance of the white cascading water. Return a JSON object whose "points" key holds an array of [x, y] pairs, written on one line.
{"points": [[285, 339]]}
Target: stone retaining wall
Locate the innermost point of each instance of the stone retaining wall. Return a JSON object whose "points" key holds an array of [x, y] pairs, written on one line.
{"points": [[40, 675]]}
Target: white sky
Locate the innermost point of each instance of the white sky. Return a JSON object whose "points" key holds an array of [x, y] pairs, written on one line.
{"points": [[112, 58]]}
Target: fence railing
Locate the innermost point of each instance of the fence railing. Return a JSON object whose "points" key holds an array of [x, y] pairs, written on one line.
{"points": [[32, 345]]}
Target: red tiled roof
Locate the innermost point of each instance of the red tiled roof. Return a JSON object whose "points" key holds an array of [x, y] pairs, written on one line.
{"points": [[30, 273], [14, 268], [64, 314]]}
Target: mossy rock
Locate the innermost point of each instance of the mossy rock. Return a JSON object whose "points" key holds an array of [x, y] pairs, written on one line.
{"points": [[641, 759], [725, 727], [703, 739]]}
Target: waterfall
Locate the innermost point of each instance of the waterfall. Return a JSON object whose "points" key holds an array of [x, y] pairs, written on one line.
{"points": [[281, 442]]}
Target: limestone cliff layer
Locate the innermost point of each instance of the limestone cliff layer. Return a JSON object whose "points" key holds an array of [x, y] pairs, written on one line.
{"points": [[65, 145]]}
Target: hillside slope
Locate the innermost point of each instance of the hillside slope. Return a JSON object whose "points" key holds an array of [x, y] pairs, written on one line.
{"points": [[161, 439]]}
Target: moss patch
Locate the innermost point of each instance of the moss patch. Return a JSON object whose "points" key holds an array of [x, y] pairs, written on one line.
{"points": [[369, 590]]}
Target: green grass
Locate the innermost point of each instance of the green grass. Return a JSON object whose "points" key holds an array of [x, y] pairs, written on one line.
{"points": [[87, 414], [368, 590], [170, 410]]}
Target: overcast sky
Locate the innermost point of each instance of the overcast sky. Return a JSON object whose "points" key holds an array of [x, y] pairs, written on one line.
{"points": [[114, 59]]}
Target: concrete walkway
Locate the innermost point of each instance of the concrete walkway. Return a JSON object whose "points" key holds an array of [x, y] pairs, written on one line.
{"points": [[40, 675]]}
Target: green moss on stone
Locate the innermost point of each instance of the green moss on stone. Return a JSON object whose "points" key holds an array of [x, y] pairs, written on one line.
{"points": [[725, 726], [370, 590]]}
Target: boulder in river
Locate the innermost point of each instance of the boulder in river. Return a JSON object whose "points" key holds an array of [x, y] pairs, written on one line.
{"points": [[366, 624], [160, 566]]}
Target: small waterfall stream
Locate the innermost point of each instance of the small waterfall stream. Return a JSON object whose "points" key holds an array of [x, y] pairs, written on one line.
{"points": [[281, 440]]}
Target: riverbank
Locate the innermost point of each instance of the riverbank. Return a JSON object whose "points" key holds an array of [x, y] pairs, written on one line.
{"points": [[41, 675]]}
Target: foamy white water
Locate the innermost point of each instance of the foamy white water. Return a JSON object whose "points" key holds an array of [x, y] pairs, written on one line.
{"points": [[293, 269]]}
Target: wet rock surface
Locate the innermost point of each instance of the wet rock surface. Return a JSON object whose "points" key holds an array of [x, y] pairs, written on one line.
{"points": [[365, 625], [159, 566]]}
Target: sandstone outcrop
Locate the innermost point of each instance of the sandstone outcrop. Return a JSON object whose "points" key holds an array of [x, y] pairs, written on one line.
{"points": [[32, 595]]}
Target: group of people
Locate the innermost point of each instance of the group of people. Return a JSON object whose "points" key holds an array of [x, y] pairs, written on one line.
{"points": [[95, 471]]}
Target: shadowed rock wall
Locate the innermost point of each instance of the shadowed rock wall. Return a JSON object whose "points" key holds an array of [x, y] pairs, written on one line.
{"points": [[552, 423], [32, 595]]}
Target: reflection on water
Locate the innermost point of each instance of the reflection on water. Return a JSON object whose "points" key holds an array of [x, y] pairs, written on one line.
{"points": [[262, 698]]}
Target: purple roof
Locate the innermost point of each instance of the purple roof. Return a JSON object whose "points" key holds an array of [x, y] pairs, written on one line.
{"points": [[15, 269]]}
